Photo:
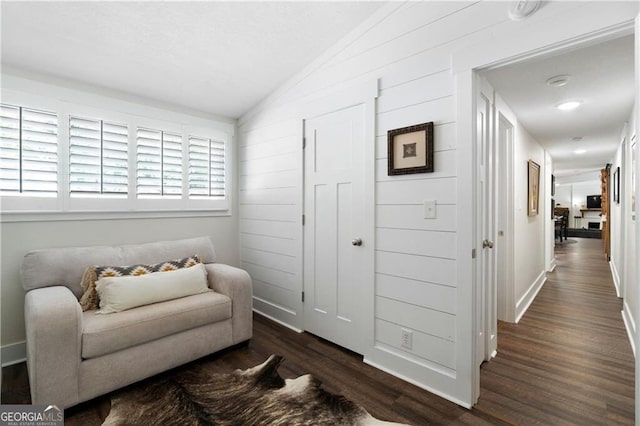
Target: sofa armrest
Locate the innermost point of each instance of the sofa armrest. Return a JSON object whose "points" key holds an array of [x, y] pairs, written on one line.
{"points": [[53, 319], [235, 283]]}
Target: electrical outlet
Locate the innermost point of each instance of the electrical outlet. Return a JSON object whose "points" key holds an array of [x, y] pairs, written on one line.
{"points": [[406, 339]]}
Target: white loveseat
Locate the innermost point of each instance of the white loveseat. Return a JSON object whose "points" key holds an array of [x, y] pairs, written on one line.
{"points": [[73, 356]]}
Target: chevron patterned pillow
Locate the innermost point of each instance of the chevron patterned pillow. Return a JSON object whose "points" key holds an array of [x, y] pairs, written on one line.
{"points": [[90, 299]]}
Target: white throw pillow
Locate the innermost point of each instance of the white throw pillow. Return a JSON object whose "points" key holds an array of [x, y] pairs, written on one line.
{"points": [[121, 293]]}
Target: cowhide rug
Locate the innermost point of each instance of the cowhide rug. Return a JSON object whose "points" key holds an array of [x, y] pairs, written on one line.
{"points": [[256, 396]]}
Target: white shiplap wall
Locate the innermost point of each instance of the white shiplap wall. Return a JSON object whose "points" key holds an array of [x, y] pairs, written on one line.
{"points": [[415, 259], [269, 193], [408, 47]]}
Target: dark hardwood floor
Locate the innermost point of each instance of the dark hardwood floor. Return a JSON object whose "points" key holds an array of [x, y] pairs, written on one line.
{"points": [[568, 361]]}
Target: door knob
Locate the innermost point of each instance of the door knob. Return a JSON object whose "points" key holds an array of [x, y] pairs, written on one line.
{"points": [[356, 242], [487, 243]]}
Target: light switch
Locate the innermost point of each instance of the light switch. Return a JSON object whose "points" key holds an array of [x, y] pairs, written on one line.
{"points": [[430, 209]]}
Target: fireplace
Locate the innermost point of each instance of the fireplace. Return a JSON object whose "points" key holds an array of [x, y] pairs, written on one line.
{"points": [[594, 225]]}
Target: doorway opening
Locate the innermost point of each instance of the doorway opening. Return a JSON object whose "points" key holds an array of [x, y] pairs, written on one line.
{"points": [[522, 123]]}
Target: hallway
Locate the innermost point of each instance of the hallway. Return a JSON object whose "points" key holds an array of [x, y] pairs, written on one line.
{"points": [[569, 360]]}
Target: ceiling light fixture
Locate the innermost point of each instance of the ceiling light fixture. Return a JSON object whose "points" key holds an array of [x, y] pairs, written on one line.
{"points": [[558, 80], [569, 105], [579, 151], [520, 9]]}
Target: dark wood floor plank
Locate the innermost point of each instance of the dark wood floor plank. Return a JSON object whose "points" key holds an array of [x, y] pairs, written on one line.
{"points": [[568, 362], [514, 412]]}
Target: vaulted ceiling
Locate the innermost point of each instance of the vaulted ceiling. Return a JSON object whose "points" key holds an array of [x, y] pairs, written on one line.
{"points": [[217, 57]]}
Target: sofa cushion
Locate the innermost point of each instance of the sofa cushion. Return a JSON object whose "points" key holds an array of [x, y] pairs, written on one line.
{"points": [[91, 299], [121, 293], [104, 334]]}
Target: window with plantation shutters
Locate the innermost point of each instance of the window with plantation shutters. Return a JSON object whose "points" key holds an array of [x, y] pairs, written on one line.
{"points": [[206, 168], [158, 164], [128, 161], [98, 158], [28, 152]]}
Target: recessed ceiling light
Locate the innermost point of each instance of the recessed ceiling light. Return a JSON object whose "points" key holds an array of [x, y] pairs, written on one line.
{"points": [[576, 138], [579, 151], [558, 80], [569, 105]]}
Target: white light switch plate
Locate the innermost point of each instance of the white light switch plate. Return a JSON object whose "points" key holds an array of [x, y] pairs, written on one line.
{"points": [[430, 209]]}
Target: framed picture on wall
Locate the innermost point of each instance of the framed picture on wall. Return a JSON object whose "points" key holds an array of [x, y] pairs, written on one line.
{"points": [[533, 179], [410, 150], [616, 185]]}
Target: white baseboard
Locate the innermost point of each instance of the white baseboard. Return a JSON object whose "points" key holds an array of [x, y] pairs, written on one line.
{"points": [[13, 353], [529, 296], [552, 264], [282, 323], [629, 325], [416, 383], [615, 276]]}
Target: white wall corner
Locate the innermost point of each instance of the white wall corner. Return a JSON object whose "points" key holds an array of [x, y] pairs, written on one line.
{"points": [[629, 325], [525, 301], [552, 264], [615, 276], [13, 353]]}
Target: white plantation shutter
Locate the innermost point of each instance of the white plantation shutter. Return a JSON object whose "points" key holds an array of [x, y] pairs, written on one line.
{"points": [[28, 152], [85, 156], [149, 162], [159, 164], [172, 165], [115, 158], [98, 157], [206, 168], [10, 150]]}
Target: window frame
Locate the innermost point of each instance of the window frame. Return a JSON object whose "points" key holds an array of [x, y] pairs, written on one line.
{"points": [[101, 193], [24, 156], [18, 208], [23, 202], [162, 164], [156, 204], [202, 132]]}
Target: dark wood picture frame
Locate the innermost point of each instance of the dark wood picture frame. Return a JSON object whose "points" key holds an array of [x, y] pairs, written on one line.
{"points": [[616, 185], [410, 150], [533, 193]]}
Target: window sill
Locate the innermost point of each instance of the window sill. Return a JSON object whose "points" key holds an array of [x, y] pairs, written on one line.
{"points": [[54, 216]]}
